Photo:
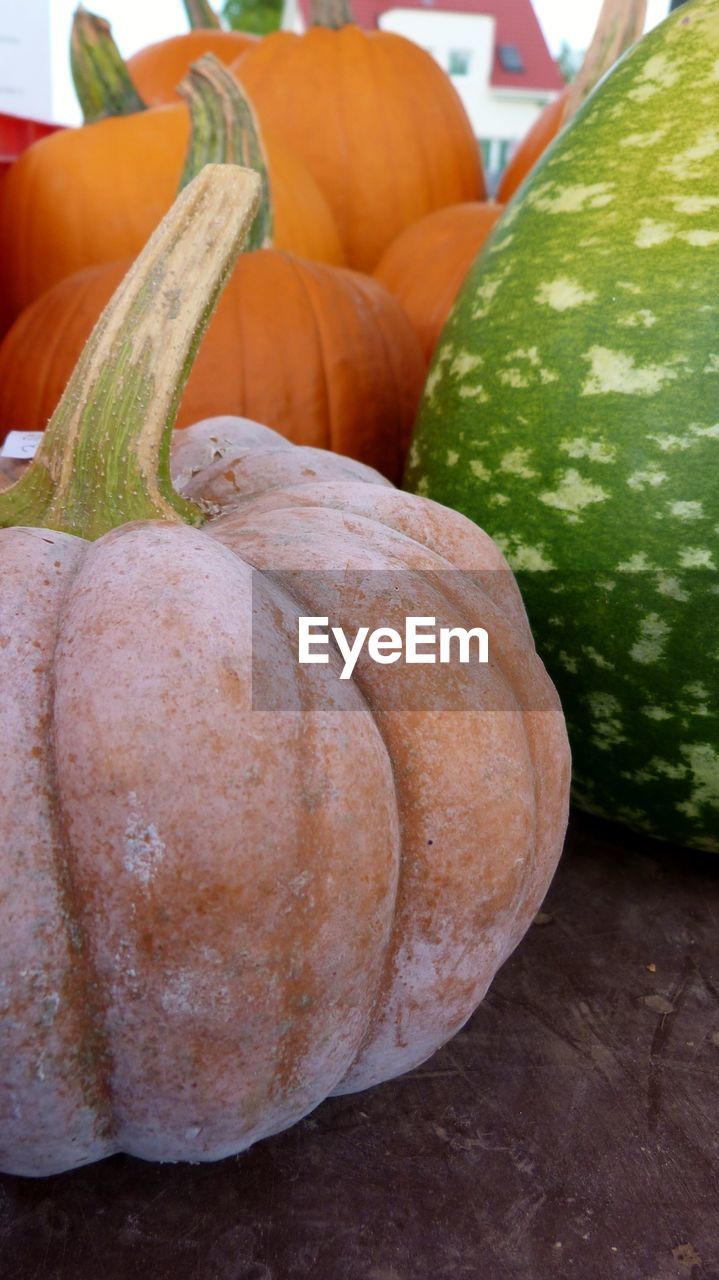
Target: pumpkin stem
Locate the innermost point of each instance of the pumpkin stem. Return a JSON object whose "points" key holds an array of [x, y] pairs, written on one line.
{"points": [[619, 26], [331, 13], [105, 457], [224, 130], [201, 15], [102, 81]]}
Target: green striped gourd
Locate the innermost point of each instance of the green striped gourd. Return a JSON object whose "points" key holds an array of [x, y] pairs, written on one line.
{"points": [[572, 410]]}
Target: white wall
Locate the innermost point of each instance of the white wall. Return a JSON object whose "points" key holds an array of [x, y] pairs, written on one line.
{"points": [[33, 85], [35, 75], [25, 59]]}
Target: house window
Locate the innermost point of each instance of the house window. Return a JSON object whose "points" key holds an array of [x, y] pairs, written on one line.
{"points": [[510, 59], [459, 60], [505, 151]]}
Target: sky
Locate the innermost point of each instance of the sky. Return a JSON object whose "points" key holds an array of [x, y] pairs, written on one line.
{"points": [[137, 22]]}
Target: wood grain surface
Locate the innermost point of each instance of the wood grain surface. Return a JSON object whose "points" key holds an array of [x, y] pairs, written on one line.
{"points": [[569, 1130]]}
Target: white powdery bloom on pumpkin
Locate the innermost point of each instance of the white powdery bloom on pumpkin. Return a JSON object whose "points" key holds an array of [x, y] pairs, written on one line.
{"points": [[144, 850]]}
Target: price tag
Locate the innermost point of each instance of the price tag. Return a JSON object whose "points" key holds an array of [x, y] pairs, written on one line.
{"points": [[21, 444]]}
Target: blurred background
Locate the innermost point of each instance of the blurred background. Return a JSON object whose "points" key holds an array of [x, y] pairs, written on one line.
{"points": [[506, 58]]}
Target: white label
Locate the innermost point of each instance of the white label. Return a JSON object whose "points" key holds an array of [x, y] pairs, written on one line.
{"points": [[21, 444]]}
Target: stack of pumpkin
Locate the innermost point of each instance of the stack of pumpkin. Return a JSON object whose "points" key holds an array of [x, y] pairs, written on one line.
{"points": [[358, 136], [213, 915], [370, 164]]}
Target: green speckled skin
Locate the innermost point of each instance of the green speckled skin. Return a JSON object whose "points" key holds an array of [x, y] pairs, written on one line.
{"points": [[572, 410]]}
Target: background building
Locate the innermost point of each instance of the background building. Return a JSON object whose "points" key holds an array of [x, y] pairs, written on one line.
{"points": [[471, 39]]}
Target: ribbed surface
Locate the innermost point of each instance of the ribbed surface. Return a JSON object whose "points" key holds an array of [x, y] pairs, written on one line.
{"points": [[446, 243], [218, 915]]}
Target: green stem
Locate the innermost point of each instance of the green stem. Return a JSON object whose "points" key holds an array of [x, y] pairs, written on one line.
{"points": [[331, 13], [225, 131], [200, 14], [102, 81], [105, 457]]}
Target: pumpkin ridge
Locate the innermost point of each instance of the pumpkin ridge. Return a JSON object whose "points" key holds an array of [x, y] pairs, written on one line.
{"points": [[384, 969], [331, 49], [30, 212], [94, 1050], [287, 587], [533, 734], [386, 53], [402, 440], [300, 269], [374, 1004]]}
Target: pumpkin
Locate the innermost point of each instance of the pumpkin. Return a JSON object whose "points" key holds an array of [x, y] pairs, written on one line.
{"points": [[350, 378], [151, 76], [572, 410], [446, 243], [204, 936], [157, 69], [532, 146], [97, 192], [619, 26], [377, 122]]}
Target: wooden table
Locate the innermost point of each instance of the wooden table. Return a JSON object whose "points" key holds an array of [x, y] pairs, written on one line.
{"points": [[570, 1130]]}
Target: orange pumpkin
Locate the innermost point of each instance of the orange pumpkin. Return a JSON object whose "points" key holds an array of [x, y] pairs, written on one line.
{"points": [[377, 122], [446, 243], [157, 69], [97, 192], [106, 85], [347, 376], [203, 935], [533, 145]]}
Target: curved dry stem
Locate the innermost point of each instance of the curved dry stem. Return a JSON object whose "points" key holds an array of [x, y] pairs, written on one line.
{"points": [[105, 457], [102, 81], [331, 13], [619, 26], [200, 14], [225, 131]]}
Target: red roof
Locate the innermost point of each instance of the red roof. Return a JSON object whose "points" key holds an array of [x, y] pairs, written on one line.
{"points": [[516, 23]]}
